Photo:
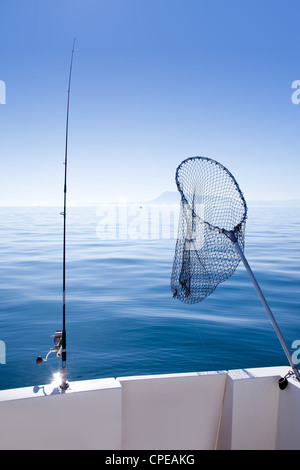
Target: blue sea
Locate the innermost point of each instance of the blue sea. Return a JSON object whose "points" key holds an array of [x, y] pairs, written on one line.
{"points": [[121, 318]]}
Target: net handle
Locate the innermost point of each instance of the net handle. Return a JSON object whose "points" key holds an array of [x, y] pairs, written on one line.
{"points": [[232, 236]]}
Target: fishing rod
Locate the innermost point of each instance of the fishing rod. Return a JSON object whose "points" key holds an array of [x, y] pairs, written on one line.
{"points": [[64, 384], [60, 340]]}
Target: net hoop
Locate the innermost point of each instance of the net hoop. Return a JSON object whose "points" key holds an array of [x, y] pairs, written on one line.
{"points": [[185, 200]]}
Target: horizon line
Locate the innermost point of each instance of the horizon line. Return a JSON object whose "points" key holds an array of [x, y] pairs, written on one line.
{"points": [[88, 204]]}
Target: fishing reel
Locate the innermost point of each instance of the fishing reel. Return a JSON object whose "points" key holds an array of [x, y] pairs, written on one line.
{"points": [[57, 347]]}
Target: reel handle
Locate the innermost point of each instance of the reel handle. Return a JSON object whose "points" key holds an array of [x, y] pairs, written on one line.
{"points": [[57, 347]]}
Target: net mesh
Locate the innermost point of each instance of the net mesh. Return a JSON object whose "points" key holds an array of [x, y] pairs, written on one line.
{"points": [[211, 203]]}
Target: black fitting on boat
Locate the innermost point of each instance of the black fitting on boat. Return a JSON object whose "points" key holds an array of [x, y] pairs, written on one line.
{"points": [[283, 383]]}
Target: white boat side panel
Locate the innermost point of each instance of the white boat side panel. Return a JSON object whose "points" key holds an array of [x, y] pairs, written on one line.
{"points": [[249, 420], [288, 425], [88, 416], [179, 411]]}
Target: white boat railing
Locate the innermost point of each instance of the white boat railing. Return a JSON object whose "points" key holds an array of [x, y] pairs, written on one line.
{"points": [[238, 409]]}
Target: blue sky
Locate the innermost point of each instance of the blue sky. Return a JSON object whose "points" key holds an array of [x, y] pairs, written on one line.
{"points": [[154, 82]]}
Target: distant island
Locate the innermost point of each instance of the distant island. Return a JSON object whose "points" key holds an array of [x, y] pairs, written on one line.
{"points": [[173, 197], [168, 197]]}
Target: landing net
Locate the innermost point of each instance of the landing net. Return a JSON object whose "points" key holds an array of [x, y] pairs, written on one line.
{"points": [[211, 204]]}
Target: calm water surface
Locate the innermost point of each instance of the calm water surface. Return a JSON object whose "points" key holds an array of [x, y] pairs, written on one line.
{"points": [[121, 317]]}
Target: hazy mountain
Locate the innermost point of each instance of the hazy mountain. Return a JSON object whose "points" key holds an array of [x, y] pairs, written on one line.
{"points": [[168, 197], [173, 197]]}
